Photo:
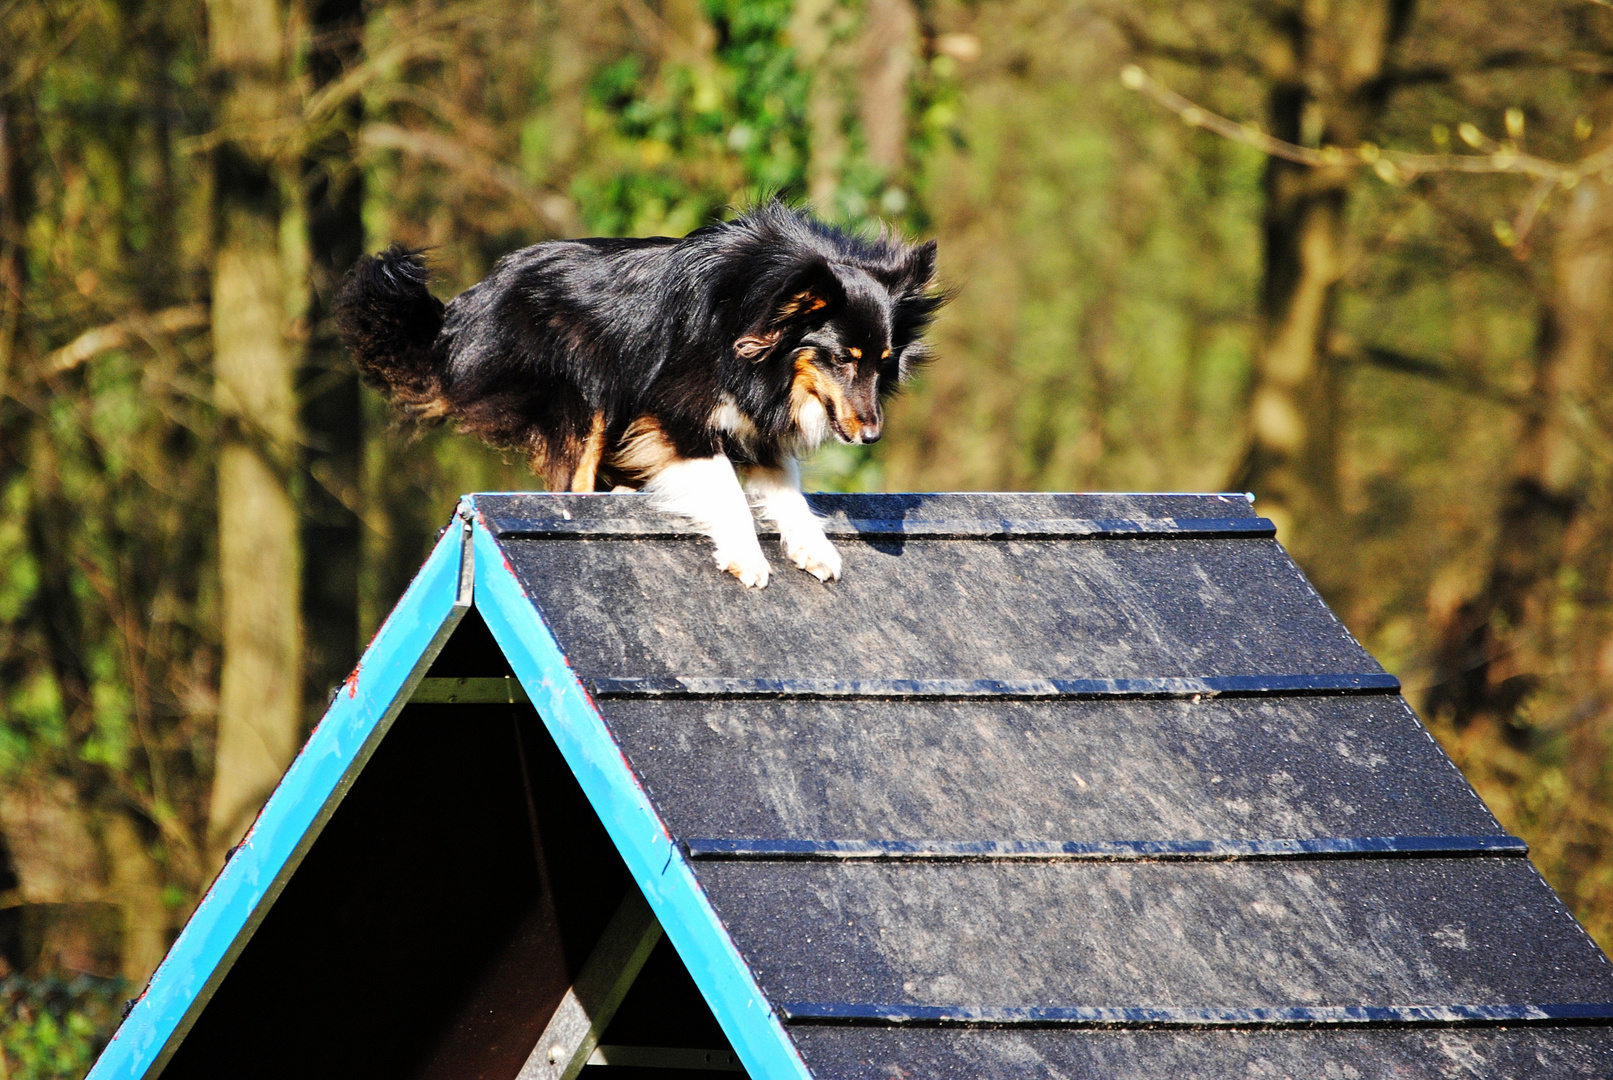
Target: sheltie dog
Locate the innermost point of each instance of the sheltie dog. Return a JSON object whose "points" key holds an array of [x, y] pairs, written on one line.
{"points": [[661, 364]]}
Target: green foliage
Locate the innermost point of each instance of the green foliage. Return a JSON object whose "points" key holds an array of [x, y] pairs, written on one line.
{"points": [[679, 144], [1088, 348], [53, 1028]]}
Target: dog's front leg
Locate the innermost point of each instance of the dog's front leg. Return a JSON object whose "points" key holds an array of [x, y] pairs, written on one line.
{"points": [[707, 492], [778, 494]]}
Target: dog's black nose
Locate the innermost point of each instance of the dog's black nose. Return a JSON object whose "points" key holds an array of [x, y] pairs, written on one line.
{"points": [[870, 433]]}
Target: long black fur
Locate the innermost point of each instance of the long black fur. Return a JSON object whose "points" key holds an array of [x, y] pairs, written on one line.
{"points": [[566, 331]]}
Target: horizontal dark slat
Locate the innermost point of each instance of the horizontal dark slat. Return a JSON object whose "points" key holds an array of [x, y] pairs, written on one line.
{"points": [[1108, 850], [1249, 934], [836, 1012], [1056, 770], [513, 528], [848, 1052], [1007, 609], [675, 687]]}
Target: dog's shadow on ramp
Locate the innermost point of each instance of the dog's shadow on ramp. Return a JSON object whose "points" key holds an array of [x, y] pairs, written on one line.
{"points": [[875, 520], [887, 545]]}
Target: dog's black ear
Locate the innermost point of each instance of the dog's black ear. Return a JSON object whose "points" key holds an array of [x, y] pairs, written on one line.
{"points": [[920, 269], [907, 271], [811, 288]]}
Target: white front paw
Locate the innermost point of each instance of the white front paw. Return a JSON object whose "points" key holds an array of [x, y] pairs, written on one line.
{"points": [[748, 565], [812, 552]]}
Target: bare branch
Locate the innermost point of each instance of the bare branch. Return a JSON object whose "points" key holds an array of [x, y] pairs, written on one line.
{"points": [[1391, 165], [1134, 78], [92, 343], [1143, 43], [1529, 213], [649, 25], [1585, 63], [1434, 371], [41, 57], [357, 78], [553, 208]]}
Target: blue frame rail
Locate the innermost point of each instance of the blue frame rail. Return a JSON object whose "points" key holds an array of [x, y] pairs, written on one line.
{"points": [[360, 714], [657, 863]]}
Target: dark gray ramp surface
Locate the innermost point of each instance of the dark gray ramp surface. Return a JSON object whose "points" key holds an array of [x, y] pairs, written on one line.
{"points": [[1056, 785]]}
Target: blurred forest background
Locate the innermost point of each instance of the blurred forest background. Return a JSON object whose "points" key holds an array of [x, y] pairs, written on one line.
{"points": [[1355, 256]]}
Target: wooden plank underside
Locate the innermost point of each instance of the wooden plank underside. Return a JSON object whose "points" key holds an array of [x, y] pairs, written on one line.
{"points": [[573, 1032]]}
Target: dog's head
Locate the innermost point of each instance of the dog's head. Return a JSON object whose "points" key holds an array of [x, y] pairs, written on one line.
{"points": [[850, 333]]}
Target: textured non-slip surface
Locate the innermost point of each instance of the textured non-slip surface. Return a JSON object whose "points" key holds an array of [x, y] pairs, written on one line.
{"points": [[1228, 768], [1452, 1054], [765, 724], [1013, 609], [973, 935], [1375, 932], [518, 510]]}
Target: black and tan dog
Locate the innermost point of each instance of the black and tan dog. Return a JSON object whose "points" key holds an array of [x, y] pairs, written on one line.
{"points": [[661, 364]]}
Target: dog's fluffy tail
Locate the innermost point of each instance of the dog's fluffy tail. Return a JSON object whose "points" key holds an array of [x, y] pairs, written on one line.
{"points": [[389, 319]]}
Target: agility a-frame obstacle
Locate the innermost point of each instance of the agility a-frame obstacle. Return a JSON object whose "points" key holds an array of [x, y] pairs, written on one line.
{"points": [[1046, 786]]}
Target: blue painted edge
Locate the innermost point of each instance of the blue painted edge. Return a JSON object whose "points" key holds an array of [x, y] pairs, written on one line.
{"points": [[656, 862], [290, 821], [1206, 686], [898, 1015], [1105, 850]]}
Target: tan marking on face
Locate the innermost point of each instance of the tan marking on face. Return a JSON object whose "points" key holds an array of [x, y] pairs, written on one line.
{"points": [[643, 451], [886, 355], [856, 353], [593, 450], [810, 383]]}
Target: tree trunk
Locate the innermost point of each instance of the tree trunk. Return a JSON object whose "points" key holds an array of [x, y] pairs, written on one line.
{"points": [[16, 422], [135, 885], [1484, 664], [812, 29], [260, 692], [1327, 73], [331, 412], [14, 198], [889, 42], [72, 861]]}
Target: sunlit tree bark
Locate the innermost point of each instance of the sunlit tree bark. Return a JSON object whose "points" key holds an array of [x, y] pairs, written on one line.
{"points": [[260, 692], [1485, 664], [812, 30], [889, 43], [1326, 63]]}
